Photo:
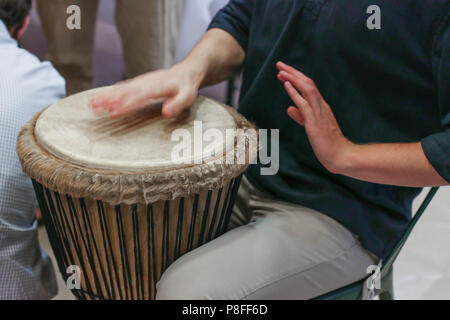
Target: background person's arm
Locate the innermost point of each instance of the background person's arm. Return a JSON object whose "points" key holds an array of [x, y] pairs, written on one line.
{"points": [[215, 58]]}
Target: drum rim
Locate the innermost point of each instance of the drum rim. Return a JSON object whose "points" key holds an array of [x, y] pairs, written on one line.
{"points": [[64, 149], [130, 186]]}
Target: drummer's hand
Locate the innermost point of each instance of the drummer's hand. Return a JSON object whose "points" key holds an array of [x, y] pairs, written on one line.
{"points": [[176, 87], [313, 112]]}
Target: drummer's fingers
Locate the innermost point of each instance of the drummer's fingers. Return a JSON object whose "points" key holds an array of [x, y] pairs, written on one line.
{"points": [[175, 105], [297, 97], [123, 109], [98, 102], [138, 99], [306, 86], [287, 68], [125, 95], [128, 104], [129, 97], [108, 100], [297, 114]]}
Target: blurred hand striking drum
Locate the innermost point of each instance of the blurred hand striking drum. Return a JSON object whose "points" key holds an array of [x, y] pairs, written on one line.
{"points": [[114, 200]]}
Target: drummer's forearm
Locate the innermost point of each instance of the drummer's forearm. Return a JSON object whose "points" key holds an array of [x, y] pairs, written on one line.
{"points": [[400, 164], [216, 57]]}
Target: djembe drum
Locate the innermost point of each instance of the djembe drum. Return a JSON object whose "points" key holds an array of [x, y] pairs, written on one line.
{"points": [[114, 201]]}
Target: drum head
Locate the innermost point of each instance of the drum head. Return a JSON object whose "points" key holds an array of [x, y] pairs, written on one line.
{"points": [[70, 130]]}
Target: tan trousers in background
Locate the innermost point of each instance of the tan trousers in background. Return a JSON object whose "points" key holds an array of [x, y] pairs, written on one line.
{"points": [[274, 250], [148, 30]]}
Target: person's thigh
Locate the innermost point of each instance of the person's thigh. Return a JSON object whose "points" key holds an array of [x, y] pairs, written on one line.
{"points": [[285, 252]]}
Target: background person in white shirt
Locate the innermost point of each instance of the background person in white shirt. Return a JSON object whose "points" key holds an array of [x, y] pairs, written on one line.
{"points": [[26, 86]]}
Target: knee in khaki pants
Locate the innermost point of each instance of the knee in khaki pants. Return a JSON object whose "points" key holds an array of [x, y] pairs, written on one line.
{"points": [[285, 252]]}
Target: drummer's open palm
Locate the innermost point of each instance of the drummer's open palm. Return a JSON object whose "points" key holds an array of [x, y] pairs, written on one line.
{"points": [[173, 87], [314, 113]]}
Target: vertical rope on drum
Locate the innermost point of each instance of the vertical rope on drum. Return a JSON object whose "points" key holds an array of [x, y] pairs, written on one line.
{"points": [[137, 254], [62, 219], [77, 245], [179, 229], [60, 214], [54, 238], [107, 242], [165, 239], [151, 234], [59, 228], [214, 218], [123, 253], [193, 222], [63, 226], [88, 249], [236, 184], [204, 219], [63, 243], [224, 210], [88, 225]]}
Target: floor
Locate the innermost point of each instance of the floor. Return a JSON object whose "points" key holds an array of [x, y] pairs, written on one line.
{"points": [[422, 270]]}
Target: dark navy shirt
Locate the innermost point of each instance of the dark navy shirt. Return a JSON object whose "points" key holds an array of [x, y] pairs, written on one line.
{"points": [[384, 85]]}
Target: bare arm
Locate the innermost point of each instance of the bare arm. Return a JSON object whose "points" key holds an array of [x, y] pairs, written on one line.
{"points": [[215, 58], [394, 164]]}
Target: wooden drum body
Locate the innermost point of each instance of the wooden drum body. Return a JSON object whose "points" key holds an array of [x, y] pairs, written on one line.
{"points": [[123, 219], [123, 250]]}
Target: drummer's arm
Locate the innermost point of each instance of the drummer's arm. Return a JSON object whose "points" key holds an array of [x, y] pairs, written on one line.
{"points": [[215, 58], [416, 164]]}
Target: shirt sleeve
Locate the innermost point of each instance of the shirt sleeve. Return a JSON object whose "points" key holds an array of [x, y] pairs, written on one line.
{"points": [[235, 18], [437, 146], [40, 81]]}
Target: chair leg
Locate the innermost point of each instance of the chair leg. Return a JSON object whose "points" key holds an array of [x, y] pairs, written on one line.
{"points": [[388, 287]]}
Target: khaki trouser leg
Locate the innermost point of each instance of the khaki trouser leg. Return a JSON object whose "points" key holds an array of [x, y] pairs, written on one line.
{"points": [[70, 51], [279, 251], [148, 30]]}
